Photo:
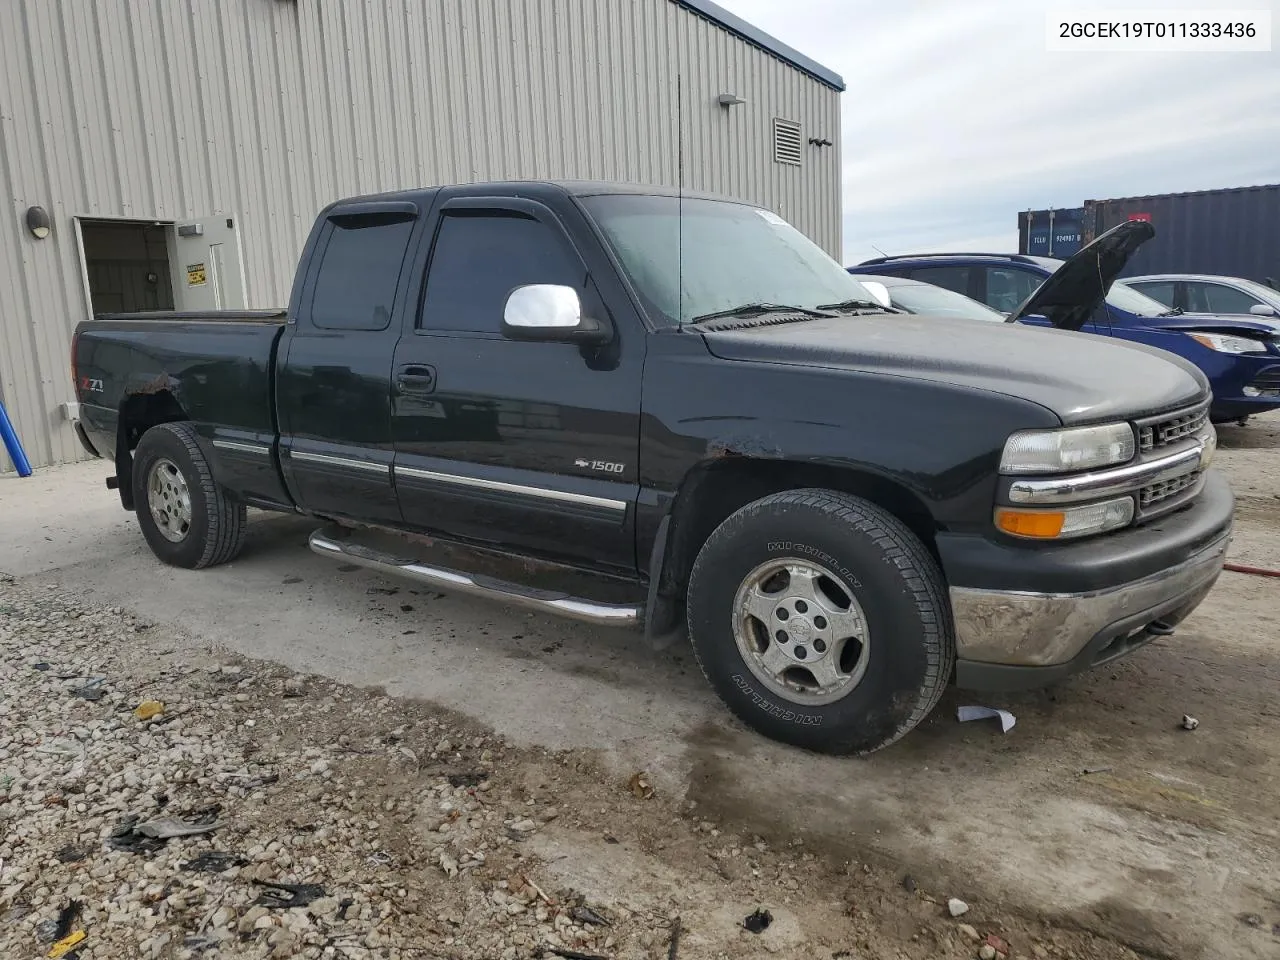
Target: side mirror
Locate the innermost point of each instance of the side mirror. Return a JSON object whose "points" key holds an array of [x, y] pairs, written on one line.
{"points": [[1262, 310], [879, 291], [548, 311]]}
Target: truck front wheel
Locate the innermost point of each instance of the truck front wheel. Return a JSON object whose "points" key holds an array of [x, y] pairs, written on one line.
{"points": [[187, 519], [821, 621]]}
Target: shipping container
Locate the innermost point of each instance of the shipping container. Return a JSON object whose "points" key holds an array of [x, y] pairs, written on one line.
{"points": [[1051, 233], [1234, 232]]}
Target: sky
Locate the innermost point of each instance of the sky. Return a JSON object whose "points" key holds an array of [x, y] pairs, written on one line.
{"points": [[956, 117]]}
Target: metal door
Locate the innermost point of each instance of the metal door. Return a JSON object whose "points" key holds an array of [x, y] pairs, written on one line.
{"points": [[206, 263]]}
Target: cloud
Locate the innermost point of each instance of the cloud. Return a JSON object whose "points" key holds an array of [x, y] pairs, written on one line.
{"points": [[956, 117]]}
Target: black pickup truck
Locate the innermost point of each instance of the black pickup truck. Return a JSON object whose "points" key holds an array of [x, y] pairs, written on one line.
{"points": [[633, 408]]}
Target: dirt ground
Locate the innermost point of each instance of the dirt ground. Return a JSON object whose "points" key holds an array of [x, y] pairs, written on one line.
{"points": [[1097, 827]]}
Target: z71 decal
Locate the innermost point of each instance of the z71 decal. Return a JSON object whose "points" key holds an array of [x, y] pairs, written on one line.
{"points": [[91, 384]]}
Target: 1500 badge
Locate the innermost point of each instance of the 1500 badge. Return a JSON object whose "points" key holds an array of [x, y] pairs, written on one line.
{"points": [[602, 465]]}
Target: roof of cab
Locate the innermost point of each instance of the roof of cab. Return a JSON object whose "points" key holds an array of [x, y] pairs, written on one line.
{"points": [[532, 189]]}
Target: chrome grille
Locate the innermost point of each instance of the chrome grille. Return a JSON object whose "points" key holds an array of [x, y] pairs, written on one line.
{"points": [[1164, 433], [1157, 493]]}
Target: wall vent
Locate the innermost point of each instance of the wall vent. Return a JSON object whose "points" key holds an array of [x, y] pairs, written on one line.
{"points": [[786, 141]]}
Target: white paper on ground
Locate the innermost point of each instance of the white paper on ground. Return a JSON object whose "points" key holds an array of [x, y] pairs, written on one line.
{"points": [[1007, 719]]}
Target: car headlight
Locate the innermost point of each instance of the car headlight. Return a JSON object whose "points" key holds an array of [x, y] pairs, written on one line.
{"points": [[1064, 451], [1224, 343], [1068, 522]]}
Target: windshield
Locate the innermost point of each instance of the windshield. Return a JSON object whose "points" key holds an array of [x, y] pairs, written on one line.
{"points": [[1126, 298], [1260, 290], [722, 255], [940, 302]]}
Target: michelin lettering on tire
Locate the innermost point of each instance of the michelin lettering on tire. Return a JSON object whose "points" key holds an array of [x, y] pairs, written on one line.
{"points": [[773, 709], [788, 546]]}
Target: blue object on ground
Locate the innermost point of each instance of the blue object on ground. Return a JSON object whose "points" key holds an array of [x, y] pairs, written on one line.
{"points": [[13, 445]]}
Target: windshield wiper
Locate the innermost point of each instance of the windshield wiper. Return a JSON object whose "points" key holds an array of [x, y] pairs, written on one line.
{"points": [[759, 309], [856, 305], [1175, 312]]}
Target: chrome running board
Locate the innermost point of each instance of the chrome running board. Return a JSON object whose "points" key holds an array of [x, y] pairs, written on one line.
{"points": [[331, 542]]}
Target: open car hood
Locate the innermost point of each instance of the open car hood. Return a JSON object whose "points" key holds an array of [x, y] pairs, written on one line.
{"points": [[1078, 287]]}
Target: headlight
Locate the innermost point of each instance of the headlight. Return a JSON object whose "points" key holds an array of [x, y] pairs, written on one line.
{"points": [[1224, 343], [1066, 523], [1063, 451]]}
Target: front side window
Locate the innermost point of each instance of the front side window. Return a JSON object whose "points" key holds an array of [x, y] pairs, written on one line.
{"points": [[359, 272], [1162, 290], [478, 259], [949, 278], [1008, 288], [693, 257], [1218, 298]]}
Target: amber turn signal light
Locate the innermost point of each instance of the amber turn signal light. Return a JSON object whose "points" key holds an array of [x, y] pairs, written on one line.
{"points": [[1030, 523]]}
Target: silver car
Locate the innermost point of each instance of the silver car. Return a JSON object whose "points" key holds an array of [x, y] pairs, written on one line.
{"points": [[1197, 293]]}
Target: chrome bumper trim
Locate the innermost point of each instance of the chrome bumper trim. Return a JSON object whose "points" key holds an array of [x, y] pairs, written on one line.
{"points": [[1043, 629]]}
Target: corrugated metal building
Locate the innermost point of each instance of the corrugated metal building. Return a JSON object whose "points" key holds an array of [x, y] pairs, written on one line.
{"points": [[182, 148]]}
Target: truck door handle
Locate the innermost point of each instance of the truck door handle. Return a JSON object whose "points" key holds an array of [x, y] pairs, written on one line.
{"points": [[416, 378]]}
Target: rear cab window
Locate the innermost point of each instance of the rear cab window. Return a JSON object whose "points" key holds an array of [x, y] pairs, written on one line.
{"points": [[359, 271]]}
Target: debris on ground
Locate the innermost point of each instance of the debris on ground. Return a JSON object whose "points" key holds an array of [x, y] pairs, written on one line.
{"points": [[284, 896], [673, 945], [148, 709], [909, 883], [987, 952], [640, 786], [967, 713], [166, 828], [349, 831], [969, 932], [214, 861], [957, 907], [1189, 722], [997, 944], [64, 946]]}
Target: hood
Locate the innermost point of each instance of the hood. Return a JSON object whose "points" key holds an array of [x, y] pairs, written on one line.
{"points": [[1080, 377], [1258, 329], [1077, 288]]}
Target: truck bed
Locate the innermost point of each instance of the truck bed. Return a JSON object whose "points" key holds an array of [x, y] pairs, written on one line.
{"points": [[214, 368]]}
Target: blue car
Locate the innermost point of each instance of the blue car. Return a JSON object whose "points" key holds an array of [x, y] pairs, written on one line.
{"points": [[1239, 355]]}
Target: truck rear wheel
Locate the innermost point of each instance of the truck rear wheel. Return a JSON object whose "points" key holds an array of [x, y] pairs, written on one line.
{"points": [[821, 621], [188, 520]]}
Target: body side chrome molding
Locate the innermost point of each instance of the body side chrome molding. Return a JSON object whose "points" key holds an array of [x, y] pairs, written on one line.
{"points": [[242, 446], [366, 465], [502, 486]]}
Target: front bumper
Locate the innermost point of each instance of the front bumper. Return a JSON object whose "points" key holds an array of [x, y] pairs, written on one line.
{"points": [[1021, 638]]}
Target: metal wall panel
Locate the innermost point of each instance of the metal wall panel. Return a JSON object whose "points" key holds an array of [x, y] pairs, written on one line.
{"points": [[266, 110]]}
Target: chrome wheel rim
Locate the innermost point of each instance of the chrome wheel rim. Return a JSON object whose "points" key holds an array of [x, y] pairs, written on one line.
{"points": [[169, 500], [801, 631]]}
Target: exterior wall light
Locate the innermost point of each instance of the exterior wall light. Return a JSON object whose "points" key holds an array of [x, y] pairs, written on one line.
{"points": [[38, 222], [727, 100]]}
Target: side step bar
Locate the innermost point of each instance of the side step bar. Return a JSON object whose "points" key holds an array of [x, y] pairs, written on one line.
{"points": [[330, 543]]}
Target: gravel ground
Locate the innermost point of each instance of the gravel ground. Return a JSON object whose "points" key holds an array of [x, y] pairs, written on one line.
{"points": [[424, 835]]}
